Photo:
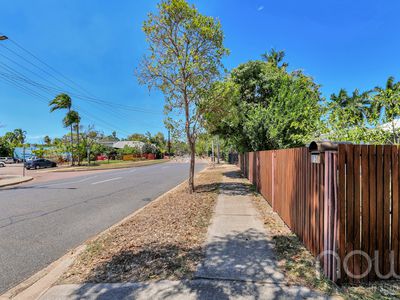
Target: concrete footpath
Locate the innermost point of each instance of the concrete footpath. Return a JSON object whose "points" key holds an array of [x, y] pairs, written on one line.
{"points": [[239, 262], [7, 180]]}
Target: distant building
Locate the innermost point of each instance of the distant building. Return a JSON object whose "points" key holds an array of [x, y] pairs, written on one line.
{"points": [[19, 153], [28, 153], [132, 144], [390, 125]]}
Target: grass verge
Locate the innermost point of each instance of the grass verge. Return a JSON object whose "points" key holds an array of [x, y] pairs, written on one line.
{"points": [[163, 241], [111, 165]]}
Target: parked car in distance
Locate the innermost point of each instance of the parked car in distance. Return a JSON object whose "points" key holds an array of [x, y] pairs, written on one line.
{"points": [[2, 165], [39, 163], [7, 160]]}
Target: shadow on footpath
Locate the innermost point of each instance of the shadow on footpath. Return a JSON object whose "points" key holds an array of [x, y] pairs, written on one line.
{"points": [[237, 265], [253, 267]]}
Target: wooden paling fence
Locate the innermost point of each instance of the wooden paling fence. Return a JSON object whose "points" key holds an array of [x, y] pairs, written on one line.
{"points": [[344, 205]]}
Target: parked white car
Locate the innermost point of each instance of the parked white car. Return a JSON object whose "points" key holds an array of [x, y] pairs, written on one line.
{"points": [[7, 160]]}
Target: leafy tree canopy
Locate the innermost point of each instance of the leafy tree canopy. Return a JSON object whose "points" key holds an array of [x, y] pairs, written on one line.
{"points": [[184, 59], [263, 106]]}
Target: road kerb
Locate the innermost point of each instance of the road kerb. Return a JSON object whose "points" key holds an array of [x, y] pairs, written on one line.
{"points": [[40, 282], [36, 285], [17, 180]]}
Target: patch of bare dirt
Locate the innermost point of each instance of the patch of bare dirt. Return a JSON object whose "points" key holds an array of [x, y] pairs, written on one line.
{"points": [[163, 241]]}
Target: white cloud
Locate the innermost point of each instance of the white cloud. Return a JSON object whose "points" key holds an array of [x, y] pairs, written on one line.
{"points": [[260, 8]]}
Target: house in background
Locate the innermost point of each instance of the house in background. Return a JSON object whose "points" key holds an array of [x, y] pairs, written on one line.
{"points": [[133, 144], [146, 150]]}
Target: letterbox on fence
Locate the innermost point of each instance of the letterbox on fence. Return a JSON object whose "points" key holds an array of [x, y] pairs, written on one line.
{"points": [[316, 148]]}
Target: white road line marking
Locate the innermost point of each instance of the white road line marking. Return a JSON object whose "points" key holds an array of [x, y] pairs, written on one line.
{"points": [[126, 172], [112, 179], [71, 182]]}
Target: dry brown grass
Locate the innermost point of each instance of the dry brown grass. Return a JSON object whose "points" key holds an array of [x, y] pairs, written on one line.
{"points": [[163, 241]]}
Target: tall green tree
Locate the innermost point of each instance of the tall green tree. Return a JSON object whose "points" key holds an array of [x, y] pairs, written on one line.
{"points": [[90, 137], [47, 140], [348, 116], [19, 136], [61, 102], [385, 107], [186, 49], [137, 137], [77, 127], [263, 106], [275, 57], [72, 119], [11, 140], [5, 147]]}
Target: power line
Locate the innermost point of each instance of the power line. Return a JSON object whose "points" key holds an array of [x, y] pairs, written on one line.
{"points": [[22, 66], [17, 76], [82, 97], [43, 99], [29, 85], [54, 70], [35, 65], [47, 65]]}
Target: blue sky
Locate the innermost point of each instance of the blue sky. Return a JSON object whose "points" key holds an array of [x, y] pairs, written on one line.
{"points": [[98, 44]]}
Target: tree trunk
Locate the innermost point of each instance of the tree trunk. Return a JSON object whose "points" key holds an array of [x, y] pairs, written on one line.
{"points": [[191, 142], [77, 147], [72, 148], [192, 164]]}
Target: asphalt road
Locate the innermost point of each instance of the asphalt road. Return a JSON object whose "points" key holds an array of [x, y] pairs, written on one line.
{"points": [[41, 222]]}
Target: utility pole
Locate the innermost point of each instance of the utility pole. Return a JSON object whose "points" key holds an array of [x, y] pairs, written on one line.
{"points": [[212, 150], [23, 161], [218, 152], [88, 154]]}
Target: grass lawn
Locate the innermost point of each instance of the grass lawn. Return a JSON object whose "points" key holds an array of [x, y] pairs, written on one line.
{"points": [[112, 164]]}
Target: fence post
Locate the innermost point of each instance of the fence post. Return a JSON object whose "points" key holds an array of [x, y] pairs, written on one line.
{"points": [[273, 157]]}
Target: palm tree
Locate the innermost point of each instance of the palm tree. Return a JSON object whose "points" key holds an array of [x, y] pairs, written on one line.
{"points": [[359, 104], [354, 108], [385, 105], [47, 140], [77, 125], [63, 101], [19, 136], [275, 57], [349, 114], [72, 119]]}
